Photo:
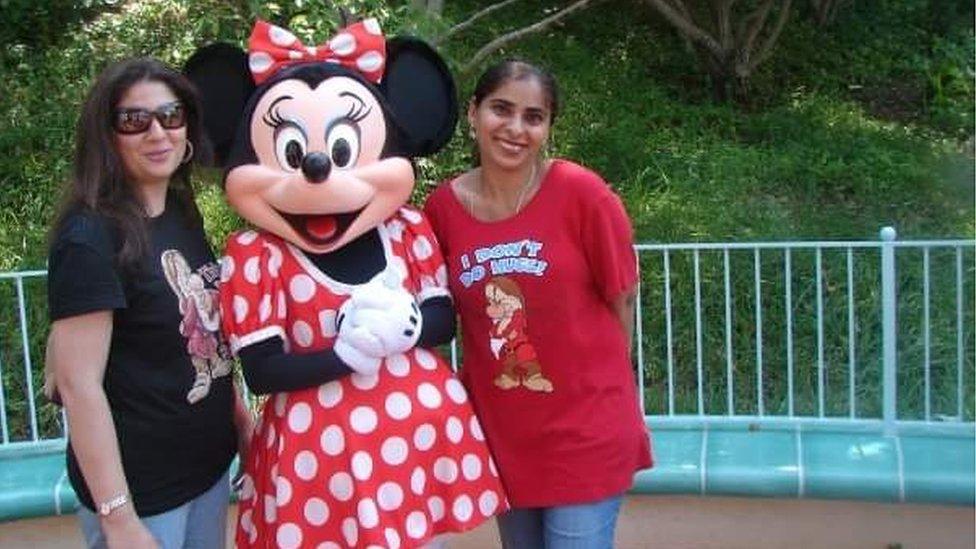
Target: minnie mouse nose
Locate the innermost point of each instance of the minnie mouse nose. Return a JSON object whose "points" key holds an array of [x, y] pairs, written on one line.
{"points": [[316, 167]]}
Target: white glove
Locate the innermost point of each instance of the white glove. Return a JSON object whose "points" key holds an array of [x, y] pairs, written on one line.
{"points": [[380, 319], [360, 362]]}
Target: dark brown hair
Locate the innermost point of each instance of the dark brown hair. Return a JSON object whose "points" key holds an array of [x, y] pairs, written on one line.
{"points": [[514, 69], [98, 182]]}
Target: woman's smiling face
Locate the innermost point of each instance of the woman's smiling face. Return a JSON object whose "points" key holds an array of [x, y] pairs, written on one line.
{"points": [[511, 124]]}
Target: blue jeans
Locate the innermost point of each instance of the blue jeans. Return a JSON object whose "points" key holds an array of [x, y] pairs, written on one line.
{"points": [[583, 526], [200, 523]]}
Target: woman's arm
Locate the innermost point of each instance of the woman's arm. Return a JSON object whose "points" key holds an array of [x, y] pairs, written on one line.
{"points": [[623, 306], [78, 350]]}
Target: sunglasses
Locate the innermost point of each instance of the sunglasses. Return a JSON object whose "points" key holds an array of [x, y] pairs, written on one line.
{"points": [[171, 116]]}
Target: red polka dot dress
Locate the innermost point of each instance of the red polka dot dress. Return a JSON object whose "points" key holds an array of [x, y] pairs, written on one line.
{"points": [[366, 461]]}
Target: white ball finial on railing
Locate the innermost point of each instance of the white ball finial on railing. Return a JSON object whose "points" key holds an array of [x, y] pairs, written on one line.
{"points": [[888, 234]]}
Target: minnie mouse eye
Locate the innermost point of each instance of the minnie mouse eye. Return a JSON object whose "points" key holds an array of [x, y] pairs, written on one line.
{"points": [[342, 143], [290, 147]]}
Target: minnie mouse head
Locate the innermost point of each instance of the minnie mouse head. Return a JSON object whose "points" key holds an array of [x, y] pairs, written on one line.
{"points": [[317, 142]]}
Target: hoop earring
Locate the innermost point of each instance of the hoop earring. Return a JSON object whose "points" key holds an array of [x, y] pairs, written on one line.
{"points": [[189, 152]]}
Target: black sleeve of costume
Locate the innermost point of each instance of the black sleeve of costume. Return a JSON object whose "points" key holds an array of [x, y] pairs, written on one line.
{"points": [[439, 322], [269, 369]]}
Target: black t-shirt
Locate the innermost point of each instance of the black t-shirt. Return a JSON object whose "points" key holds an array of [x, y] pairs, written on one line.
{"points": [[165, 337]]}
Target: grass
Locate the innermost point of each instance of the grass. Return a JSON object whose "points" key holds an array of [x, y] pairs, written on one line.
{"points": [[865, 124]]}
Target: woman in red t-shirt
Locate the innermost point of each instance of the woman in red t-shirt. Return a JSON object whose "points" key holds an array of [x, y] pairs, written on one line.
{"points": [[542, 269]]}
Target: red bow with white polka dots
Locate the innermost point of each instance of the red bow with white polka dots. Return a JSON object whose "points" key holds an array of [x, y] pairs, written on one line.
{"points": [[360, 46]]}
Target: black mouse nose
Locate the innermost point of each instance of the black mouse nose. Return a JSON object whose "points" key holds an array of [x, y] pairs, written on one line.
{"points": [[316, 167]]}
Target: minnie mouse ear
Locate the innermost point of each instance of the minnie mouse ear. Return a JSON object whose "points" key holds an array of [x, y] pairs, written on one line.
{"points": [[221, 75], [420, 91]]}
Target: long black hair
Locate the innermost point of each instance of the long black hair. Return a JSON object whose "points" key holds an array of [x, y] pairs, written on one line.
{"points": [[98, 182]]}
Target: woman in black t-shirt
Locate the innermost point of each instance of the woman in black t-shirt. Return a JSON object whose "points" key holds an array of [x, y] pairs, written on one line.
{"points": [[135, 352]]}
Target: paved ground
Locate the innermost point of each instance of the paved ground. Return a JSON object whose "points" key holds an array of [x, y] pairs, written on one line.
{"points": [[694, 523]]}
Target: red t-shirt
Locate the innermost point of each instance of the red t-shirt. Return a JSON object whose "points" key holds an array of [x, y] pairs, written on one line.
{"points": [[545, 359]]}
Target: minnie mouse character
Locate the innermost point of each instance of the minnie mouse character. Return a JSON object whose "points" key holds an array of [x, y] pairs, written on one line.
{"points": [[341, 278]]}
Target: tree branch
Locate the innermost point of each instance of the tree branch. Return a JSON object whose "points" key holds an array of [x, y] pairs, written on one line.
{"points": [[687, 27], [471, 20], [766, 49], [758, 18], [501, 41]]}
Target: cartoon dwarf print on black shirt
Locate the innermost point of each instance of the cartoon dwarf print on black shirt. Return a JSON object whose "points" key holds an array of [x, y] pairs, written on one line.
{"points": [[199, 306]]}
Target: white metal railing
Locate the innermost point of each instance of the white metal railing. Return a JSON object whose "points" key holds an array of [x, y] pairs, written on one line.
{"points": [[792, 333]]}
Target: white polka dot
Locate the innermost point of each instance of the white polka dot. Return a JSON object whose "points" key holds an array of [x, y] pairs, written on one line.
{"points": [[301, 332], [416, 525], [392, 538], [316, 511], [327, 322], [372, 26], [394, 450], [271, 436], [471, 467], [411, 216], [289, 536], [306, 465], [274, 259], [343, 43], [362, 465], [424, 437], [332, 440], [340, 486], [364, 382], [312, 50], [264, 308], [247, 523], [363, 420], [462, 508], [455, 391], [252, 270], [422, 248], [327, 545], [445, 470], [426, 359], [488, 503], [282, 491], [491, 467], [398, 365], [246, 237], [226, 268], [428, 395], [369, 516], [247, 487], [330, 394], [300, 417], [395, 228], [370, 61], [454, 429], [350, 531], [301, 287], [398, 405], [259, 62], [389, 496], [240, 309], [436, 507], [427, 282], [270, 509], [418, 479], [441, 276], [475, 427], [281, 37], [280, 401], [282, 304]]}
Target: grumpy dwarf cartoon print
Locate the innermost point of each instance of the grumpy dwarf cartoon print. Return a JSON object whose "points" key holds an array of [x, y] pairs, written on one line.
{"points": [[509, 337], [200, 307]]}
